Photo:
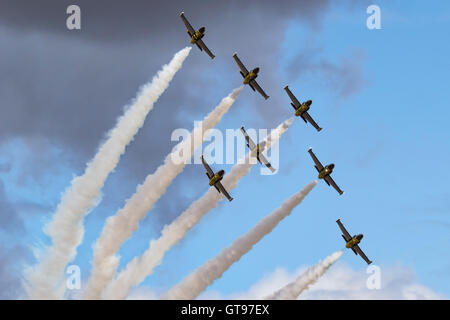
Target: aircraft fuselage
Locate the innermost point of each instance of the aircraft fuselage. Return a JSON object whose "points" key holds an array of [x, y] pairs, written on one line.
{"points": [[198, 35], [255, 152], [354, 241], [216, 178], [252, 75], [303, 108], [326, 171]]}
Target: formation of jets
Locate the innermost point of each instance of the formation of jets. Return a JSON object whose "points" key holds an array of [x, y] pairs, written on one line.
{"points": [[256, 150]]}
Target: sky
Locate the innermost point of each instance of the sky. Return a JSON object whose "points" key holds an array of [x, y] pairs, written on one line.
{"points": [[380, 95]]}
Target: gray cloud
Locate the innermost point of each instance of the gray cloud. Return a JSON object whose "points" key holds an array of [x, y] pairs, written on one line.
{"points": [[68, 87]]}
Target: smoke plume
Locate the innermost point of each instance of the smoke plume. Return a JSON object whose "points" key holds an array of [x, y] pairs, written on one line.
{"points": [[45, 280], [119, 227], [141, 267], [212, 270], [309, 277]]}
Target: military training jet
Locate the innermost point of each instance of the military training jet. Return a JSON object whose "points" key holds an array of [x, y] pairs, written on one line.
{"points": [[352, 242], [196, 36], [324, 172], [249, 77], [256, 150], [214, 179], [301, 109]]}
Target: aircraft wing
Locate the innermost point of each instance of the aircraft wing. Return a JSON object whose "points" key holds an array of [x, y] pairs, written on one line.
{"points": [[203, 46], [187, 24], [296, 103], [308, 118], [330, 180], [264, 161], [319, 166], [240, 64], [223, 190], [209, 172], [358, 250], [249, 140], [255, 85], [345, 233]]}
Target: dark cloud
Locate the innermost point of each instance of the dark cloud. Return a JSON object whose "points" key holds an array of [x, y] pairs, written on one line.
{"points": [[68, 87], [344, 77]]}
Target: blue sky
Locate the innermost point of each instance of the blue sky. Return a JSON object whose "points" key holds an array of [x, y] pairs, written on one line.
{"points": [[388, 137]]}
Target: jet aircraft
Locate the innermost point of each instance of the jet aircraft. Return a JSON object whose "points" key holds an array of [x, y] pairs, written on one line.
{"points": [[196, 36], [352, 242], [256, 150], [215, 178], [301, 109], [325, 172], [249, 77]]}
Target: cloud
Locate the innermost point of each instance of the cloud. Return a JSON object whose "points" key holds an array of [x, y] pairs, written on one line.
{"points": [[344, 77], [68, 87], [63, 81], [340, 282]]}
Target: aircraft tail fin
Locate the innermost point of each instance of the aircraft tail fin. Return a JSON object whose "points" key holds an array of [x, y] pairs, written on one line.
{"points": [[199, 46], [354, 251], [242, 74], [317, 169], [217, 189], [253, 88]]}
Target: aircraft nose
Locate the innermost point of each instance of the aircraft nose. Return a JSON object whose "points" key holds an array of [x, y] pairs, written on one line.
{"points": [[202, 29], [309, 102], [256, 70]]}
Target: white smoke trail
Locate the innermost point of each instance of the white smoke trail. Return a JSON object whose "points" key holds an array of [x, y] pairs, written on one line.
{"points": [[309, 277], [204, 276], [119, 227], [45, 280], [140, 267]]}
